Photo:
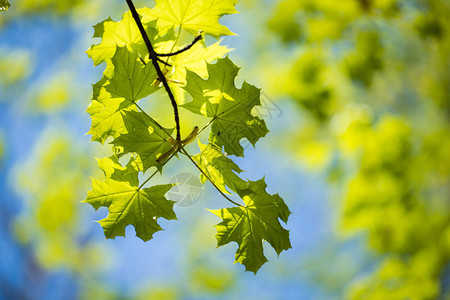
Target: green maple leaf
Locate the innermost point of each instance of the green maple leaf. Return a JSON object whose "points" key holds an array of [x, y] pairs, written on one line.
{"points": [[253, 223], [130, 81], [114, 170], [129, 77], [145, 138], [125, 33], [105, 113], [219, 168], [230, 108], [114, 34], [192, 15], [127, 203], [195, 60], [4, 5]]}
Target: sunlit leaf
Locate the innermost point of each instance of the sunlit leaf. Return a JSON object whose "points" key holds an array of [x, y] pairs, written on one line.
{"points": [[127, 203], [221, 169], [230, 108], [195, 60], [194, 15], [145, 138], [123, 33], [253, 223], [131, 81]]}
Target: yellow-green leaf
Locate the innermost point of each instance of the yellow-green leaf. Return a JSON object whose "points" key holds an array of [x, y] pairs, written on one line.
{"points": [[127, 203], [195, 59], [219, 168], [193, 15], [254, 223], [130, 81], [145, 138], [124, 33], [229, 107]]}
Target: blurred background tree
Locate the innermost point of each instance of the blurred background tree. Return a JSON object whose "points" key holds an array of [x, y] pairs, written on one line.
{"points": [[361, 156], [372, 81]]}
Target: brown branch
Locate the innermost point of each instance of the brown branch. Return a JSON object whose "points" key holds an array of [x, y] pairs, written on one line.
{"points": [[154, 59], [196, 39]]}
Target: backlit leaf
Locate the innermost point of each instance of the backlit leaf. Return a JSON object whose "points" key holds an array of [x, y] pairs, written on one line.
{"points": [[130, 81], [254, 223], [123, 33], [193, 15], [196, 60], [144, 138], [230, 108], [127, 203], [219, 168]]}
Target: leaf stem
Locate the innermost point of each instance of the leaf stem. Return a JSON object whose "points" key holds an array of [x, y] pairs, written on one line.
{"points": [[207, 124], [175, 42], [154, 173], [181, 148], [154, 59], [206, 175]]}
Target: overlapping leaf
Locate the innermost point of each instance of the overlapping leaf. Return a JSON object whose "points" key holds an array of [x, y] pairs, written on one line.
{"points": [[219, 168], [145, 138], [193, 15], [127, 203], [114, 111], [230, 108], [130, 82], [124, 33], [254, 223], [195, 60]]}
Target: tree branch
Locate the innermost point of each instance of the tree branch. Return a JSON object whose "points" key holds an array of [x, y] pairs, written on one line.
{"points": [[154, 59], [159, 59], [196, 39]]}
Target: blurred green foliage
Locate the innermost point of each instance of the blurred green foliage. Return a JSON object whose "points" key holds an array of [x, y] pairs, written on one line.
{"points": [[15, 66], [2, 148], [51, 181], [372, 79]]}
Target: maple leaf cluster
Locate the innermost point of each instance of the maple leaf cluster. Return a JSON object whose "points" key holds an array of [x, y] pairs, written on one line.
{"points": [[129, 77]]}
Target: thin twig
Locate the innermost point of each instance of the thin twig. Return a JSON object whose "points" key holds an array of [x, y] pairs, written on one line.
{"points": [[185, 153], [207, 124], [163, 62], [154, 173], [154, 59], [160, 60], [196, 39]]}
